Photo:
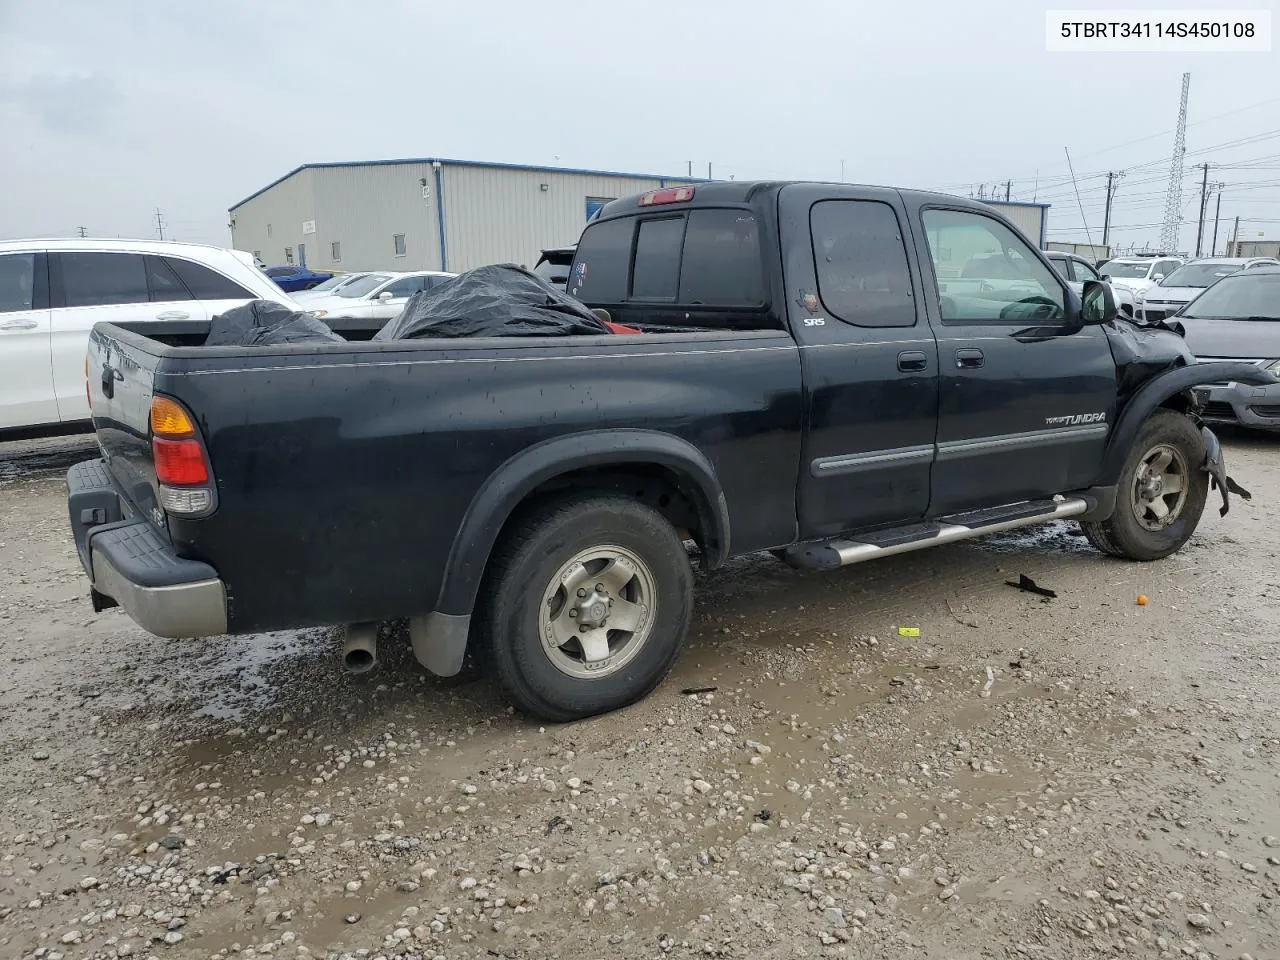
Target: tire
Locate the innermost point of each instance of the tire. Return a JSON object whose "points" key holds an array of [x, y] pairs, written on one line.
{"points": [[1135, 531], [529, 601]]}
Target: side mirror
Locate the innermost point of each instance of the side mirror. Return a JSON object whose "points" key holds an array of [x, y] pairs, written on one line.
{"points": [[1098, 304], [385, 295], [1157, 277]]}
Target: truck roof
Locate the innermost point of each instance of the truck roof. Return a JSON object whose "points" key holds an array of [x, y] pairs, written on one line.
{"points": [[746, 191]]}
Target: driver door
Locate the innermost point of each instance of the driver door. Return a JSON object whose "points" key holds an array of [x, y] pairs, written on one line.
{"points": [[1026, 398]]}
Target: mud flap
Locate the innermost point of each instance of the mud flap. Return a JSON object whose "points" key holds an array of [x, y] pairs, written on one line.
{"points": [[1215, 465]]}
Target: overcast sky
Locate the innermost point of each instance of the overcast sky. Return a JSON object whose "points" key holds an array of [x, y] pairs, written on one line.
{"points": [[112, 108]]}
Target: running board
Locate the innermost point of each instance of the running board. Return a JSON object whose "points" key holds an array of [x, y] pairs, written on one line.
{"points": [[829, 554]]}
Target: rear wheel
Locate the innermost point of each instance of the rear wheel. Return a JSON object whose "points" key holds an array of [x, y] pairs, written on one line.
{"points": [[1160, 494], [585, 606]]}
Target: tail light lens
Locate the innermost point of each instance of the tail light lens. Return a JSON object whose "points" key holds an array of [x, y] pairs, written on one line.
{"points": [[182, 466]]}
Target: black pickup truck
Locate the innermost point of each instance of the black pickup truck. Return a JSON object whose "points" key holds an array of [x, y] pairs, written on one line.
{"points": [[842, 389]]}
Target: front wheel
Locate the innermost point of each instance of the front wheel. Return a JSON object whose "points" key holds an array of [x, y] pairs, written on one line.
{"points": [[1160, 494], [585, 606]]}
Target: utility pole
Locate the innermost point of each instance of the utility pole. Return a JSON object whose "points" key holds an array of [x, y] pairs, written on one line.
{"points": [[1106, 216], [842, 171], [1204, 201], [708, 169], [159, 223], [690, 169], [1234, 249], [1008, 188], [1217, 215], [83, 231]]}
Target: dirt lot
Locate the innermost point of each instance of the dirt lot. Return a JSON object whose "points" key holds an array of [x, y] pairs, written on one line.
{"points": [[1043, 778]]}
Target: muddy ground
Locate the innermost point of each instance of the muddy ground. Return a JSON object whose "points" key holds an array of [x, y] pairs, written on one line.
{"points": [[1075, 777]]}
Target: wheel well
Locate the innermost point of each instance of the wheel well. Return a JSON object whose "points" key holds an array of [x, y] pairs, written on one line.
{"points": [[1179, 402], [656, 486]]}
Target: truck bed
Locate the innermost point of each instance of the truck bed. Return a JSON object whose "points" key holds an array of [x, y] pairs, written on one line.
{"points": [[325, 452]]}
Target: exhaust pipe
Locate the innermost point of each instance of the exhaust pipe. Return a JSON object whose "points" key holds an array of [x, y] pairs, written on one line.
{"points": [[360, 649]]}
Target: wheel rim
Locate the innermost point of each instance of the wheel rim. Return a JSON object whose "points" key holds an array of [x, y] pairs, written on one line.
{"points": [[597, 612], [1160, 487]]}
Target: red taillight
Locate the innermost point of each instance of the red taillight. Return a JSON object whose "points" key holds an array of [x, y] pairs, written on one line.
{"points": [[179, 463], [670, 195]]}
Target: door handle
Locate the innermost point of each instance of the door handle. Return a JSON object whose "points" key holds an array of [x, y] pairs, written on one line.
{"points": [[173, 315], [912, 360], [969, 358], [23, 324]]}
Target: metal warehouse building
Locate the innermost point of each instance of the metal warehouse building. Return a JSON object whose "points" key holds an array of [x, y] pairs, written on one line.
{"points": [[435, 214], [424, 214]]}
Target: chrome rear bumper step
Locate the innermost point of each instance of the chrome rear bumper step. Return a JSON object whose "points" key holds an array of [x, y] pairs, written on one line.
{"points": [[828, 554]]}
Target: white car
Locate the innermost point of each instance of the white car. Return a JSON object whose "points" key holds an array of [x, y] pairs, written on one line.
{"points": [[379, 296], [1076, 270], [52, 292], [1138, 274], [328, 288]]}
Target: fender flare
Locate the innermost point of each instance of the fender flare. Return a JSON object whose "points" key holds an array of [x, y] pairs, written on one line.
{"points": [[507, 487], [1159, 389]]}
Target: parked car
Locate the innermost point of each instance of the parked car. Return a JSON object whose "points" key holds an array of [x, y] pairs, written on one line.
{"points": [[329, 287], [1187, 282], [529, 498], [1238, 319], [291, 278], [52, 292], [379, 296], [553, 266], [1076, 270], [1138, 274]]}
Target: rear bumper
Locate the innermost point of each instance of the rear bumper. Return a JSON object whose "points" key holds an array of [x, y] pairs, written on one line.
{"points": [[1240, 403], [129, 563]]}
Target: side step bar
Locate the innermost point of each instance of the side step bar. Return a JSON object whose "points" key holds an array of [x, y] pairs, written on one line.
{"points": [[829, 554]]}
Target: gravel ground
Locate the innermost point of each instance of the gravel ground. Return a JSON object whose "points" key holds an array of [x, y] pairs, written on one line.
{"points": [[1076, 777]]}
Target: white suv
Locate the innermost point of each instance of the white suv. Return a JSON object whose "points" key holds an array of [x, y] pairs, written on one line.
{"points": [[52, 292]]}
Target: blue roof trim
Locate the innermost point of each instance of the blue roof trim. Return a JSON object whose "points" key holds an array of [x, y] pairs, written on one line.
{"points": [[490, 164]]}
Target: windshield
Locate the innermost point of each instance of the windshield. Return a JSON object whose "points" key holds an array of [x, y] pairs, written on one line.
{"points": [[331, 283], [1241, 296], [1199, 274], [1125, 271], [358, 288]]}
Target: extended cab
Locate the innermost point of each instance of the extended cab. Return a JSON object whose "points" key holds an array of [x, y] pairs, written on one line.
{"points": [[844, 388]]}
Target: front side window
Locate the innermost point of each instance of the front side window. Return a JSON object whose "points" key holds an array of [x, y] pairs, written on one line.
{"points": [[165, 284], [397, 241], [17, 282], [657, 269], [102, 279], [207, 284], [405, 287], [1083, 271], [863, 276], [987, 272], [599, 272]]}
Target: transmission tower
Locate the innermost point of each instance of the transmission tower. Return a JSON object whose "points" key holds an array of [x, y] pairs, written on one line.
{"points": [[1173, 201]]}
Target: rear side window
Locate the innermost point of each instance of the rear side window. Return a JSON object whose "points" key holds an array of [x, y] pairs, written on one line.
{"points": [[602, 262], [101, 279], [657, 269], [1083, 271], [282, 271], [863, 277], [206, 284], [722, 265], [165, 284], [17, 282]]}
